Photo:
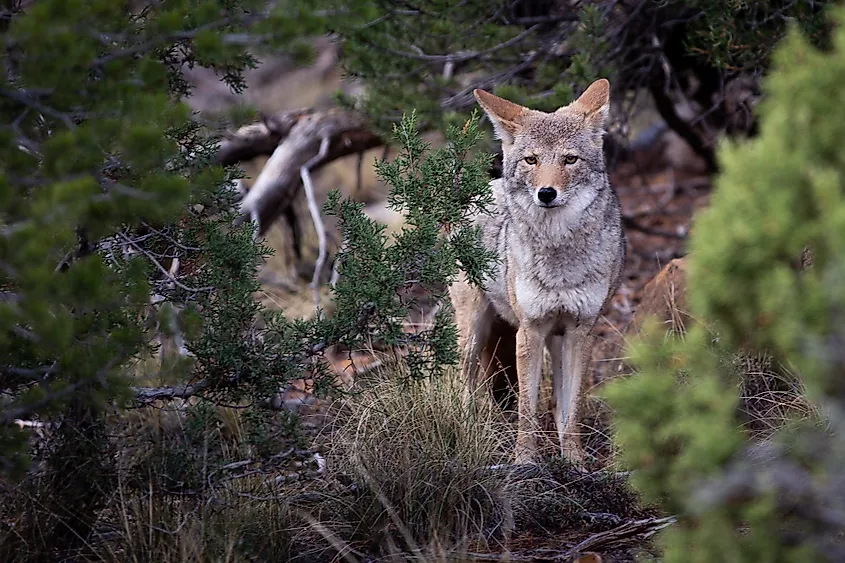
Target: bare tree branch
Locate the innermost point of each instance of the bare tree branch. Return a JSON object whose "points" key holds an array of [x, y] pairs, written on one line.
{"points": [[463, 57], [305, 173], [162, 269], [259, 139], [146, 395], [631, 223]]}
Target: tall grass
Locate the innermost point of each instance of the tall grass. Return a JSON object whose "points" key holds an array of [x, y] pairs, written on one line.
{"points": [[420, 456]]}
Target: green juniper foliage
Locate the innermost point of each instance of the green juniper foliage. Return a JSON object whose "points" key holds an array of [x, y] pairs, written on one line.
{"points": [[778, 195], [431, 54], [438, 192], [742, 35], [104, 182], [418, 56]]}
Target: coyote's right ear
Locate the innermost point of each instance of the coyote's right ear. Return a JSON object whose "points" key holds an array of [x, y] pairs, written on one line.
{"points": [[506, 116]]}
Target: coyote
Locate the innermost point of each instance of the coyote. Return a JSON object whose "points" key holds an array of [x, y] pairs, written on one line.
{"points": [[558, 233]]}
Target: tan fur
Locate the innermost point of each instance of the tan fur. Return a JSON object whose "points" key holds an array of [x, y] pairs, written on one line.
{"points": [[557, 228]]}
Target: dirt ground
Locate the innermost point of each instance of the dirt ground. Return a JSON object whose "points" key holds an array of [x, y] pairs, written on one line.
{"points": [[662, 203]]}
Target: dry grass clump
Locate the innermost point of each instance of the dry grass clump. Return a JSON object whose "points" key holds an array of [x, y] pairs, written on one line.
{"points": [[771, 395], [416, 457], [236, 525]]}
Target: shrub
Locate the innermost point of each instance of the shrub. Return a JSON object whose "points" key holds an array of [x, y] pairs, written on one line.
{"points": [[541, 53], [741, 499]]}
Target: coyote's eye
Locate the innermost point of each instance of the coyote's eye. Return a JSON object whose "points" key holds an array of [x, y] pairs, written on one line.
{"points": [[570, 159], [531, 159]]}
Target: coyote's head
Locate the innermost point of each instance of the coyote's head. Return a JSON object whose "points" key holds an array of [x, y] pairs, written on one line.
{"points": [[552, 159]]}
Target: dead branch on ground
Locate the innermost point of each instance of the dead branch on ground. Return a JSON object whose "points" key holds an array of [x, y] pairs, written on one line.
{"points": [[293, 140], [634, 529]]}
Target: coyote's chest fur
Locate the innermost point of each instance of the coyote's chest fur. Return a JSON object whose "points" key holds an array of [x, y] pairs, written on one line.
{"points": [[556, 268]]}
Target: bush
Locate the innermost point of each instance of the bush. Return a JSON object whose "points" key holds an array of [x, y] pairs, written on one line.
{"points": [[741, 499], [419, 469], [110, 216], [541, 53]]}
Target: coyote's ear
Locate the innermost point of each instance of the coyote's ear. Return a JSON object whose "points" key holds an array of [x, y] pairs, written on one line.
{"points": [[506, 116], [594, 103]]}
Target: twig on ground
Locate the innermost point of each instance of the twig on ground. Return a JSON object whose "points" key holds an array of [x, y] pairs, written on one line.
{"points": [[636, 528], [643, 528], [632, 223]]}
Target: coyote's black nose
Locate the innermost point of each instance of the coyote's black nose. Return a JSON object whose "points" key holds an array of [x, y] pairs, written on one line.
{"points": [[546, 195]]}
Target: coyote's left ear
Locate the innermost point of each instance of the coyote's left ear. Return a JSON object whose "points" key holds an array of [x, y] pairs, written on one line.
{"points": [[594, 103]]}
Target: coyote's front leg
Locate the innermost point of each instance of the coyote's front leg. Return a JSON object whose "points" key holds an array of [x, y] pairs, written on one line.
{"points": [[529, 366]]}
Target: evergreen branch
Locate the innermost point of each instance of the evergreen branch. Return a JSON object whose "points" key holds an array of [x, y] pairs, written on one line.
{"points": [[170, 37], [25, 98], [10, 414], [162, 269]]}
